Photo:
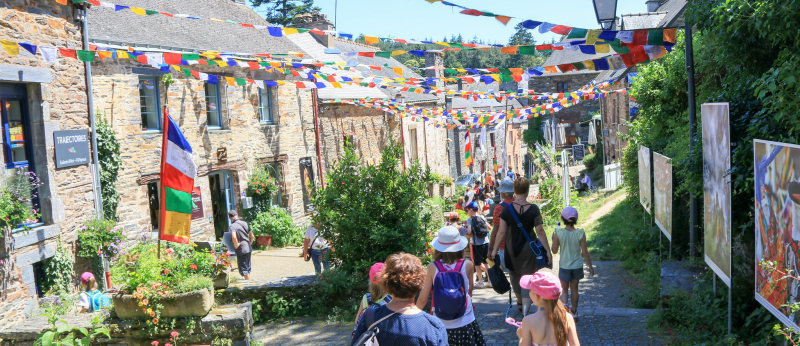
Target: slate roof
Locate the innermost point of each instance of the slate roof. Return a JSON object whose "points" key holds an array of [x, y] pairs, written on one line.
{"points": [[675, 9], [647, 20], [159, 31], [608, 75], [483, 104], [309, 45]]}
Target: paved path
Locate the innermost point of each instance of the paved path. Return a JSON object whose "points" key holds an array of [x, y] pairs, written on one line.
{"points": [[604, 320], [276, 263]]}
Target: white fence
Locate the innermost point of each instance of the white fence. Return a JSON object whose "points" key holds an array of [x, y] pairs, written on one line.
{"points": [[613, 175]]}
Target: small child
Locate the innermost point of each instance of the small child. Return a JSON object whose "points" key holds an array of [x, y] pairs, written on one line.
{"points": [[376, 296], [91, 299], [573, 244], [551, 325], [460, 203], [449, 283]]}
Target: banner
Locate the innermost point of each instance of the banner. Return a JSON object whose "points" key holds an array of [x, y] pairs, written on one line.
{"points": [[662, 171], [467, 149], [717, 189], [644, 178], [777, 226], [178, 171]]}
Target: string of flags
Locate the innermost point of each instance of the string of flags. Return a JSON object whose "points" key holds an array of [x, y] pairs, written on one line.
{"points": [[605, 40]]}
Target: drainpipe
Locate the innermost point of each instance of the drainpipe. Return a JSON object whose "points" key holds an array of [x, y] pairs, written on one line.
{"points": [[316, 131], [98, 197], [403, 143]]}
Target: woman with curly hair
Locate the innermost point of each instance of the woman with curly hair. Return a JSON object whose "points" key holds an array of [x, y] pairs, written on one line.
{"points": [[400, 322]]}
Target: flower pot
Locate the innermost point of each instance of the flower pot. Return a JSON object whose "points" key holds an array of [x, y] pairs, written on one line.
{"points": [[189, 304], [222, 280], [263, 240]]}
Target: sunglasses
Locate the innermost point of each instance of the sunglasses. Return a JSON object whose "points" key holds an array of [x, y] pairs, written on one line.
{"points": [[511, 320]]}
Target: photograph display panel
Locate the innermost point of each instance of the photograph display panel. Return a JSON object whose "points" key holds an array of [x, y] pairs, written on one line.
{"points": [[717, 189], [644, 178], [662, 170]]}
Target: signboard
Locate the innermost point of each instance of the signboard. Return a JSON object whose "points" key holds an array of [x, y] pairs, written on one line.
{"points": [[565, 182], [197, 203], [222, 154], [578, 152], [71, 147], [644, 178], [717, 189], [662, 171], [777, 224], [307, 175]]}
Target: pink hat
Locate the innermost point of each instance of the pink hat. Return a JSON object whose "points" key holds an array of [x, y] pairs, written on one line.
{"points": [[542, 283], [569, 213], [375, 270], [86, 277]]}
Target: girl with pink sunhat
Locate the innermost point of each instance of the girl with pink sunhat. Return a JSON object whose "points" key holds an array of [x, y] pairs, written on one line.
{"points": [[551, 325]]}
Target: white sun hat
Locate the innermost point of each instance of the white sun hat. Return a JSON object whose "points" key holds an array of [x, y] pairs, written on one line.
{"points": [[449, 240]]}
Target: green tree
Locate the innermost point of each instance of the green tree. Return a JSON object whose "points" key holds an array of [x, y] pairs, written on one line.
{"points": [[369, 211], [282, 12], [533, 134]]}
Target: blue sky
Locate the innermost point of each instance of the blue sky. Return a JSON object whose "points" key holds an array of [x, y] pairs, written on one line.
{"points": [[418, 19]]}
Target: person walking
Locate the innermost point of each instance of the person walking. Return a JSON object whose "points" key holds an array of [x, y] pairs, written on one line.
{"points": [[242, 238], [551, 325], [519, 257], [376, 295], [572, 242], [449, 283], [478, 230], [315, 248], [400, 322], [506, 191]]}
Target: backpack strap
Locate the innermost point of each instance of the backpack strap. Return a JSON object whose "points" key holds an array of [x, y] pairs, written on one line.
{"points": [[387, 316], [523, 230], [459, 264], [439, 267]]}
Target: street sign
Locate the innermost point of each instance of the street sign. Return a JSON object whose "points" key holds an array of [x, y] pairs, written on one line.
{"points": [[71, 147]]}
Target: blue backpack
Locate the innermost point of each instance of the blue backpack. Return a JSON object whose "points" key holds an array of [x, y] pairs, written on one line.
{"points": [[449, 292], [99, 300]]}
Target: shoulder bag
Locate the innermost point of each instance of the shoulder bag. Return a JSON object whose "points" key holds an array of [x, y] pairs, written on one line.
{"points": [[536, 245], [370, 336]]}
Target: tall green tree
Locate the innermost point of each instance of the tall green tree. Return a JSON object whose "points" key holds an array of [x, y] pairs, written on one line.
{"points": [[282, 12]]}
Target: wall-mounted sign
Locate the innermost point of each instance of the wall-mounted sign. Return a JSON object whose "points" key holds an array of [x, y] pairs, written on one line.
{"points": [[222, 154], [307, 175], [197, 204], [71, 147]]}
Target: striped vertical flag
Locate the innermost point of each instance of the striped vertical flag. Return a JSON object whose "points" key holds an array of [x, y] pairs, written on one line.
{"points": [[467, 149], [494, 149], [177, 181]]}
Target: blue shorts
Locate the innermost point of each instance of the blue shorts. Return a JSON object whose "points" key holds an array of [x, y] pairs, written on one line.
{"points": [[568, 275]]}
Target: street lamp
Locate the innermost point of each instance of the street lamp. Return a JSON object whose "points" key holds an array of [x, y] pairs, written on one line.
{"points": [[606, 11]]}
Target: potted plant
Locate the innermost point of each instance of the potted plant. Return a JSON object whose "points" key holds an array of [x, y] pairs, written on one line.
{"points": [[221, 264], [277, 226], [176, 284], [262, 185]]}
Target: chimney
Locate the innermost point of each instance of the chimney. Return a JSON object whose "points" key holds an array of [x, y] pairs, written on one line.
{"points": [[314, 20], [240, 2], [652, 5], [435, 59]]}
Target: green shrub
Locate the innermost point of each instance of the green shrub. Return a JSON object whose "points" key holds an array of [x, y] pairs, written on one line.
{"points": [[591, 161], [108, 155], [58, 271], [279, 224], [550, 188], [369, 211]]}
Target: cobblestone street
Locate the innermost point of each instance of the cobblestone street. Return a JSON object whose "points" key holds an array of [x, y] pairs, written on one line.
{"points": [[604, 317]]}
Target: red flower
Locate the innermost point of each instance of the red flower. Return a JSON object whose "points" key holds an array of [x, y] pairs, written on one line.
{"points": [[193, 267]]}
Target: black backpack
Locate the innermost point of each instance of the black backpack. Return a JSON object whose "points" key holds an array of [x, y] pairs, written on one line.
{"points": [[479, 227]]}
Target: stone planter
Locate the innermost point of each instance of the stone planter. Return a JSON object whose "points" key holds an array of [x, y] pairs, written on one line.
{"points": [[189, 304], [222, 280], [263, 240], [441, 190]]}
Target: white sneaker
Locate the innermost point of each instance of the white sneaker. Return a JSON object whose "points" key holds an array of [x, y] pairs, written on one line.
{"points": [[479, 284]]}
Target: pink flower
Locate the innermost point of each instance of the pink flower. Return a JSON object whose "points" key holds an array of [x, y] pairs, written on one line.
{"points": [[167, 344], [173, 334], [154, 343], [193, 267]]}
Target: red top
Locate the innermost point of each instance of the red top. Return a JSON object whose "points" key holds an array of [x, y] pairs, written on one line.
{"points": [[496, 222]]}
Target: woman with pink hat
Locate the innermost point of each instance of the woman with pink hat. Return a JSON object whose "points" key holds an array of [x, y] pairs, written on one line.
{"points": [[551, 325]]}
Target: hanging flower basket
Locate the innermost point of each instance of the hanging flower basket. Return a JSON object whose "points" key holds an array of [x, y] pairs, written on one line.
{"points": [[262, 184]]}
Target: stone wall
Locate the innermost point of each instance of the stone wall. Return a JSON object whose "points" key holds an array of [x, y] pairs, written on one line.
{"points": [[56, 100], [247, 142], [573, 114]]}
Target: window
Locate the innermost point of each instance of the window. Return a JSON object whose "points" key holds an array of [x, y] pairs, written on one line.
{"points": [[150, 103], [561, 87], [412, 142], [155, 205], [265, 105], [275, 170], [16, 140], [213, 111], [348, 141], [491, 139]]}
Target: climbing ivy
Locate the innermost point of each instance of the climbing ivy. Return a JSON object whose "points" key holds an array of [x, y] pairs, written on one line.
{"points": [[109, 156], [58, 270]]}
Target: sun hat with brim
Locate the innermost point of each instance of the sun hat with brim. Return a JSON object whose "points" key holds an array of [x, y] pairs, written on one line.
{"points": [[449, 240], [506, 186], [543, 283]]}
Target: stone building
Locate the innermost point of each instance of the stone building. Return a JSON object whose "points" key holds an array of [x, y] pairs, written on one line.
{"points": [[618, 109], [233, 129], [38, 99], [368, 130]]}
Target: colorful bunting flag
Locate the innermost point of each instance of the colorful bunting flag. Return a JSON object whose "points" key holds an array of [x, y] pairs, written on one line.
{"points": [[178, 171], [467, 150]]}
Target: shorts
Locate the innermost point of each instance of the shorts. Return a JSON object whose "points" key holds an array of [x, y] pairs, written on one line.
{"points": [[480, 252], [243, 261], [568, 275]]}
